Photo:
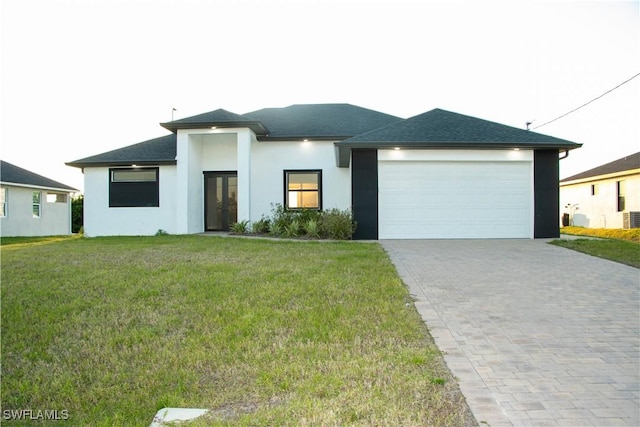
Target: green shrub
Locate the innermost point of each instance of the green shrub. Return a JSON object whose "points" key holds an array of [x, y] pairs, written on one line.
{"points": [[292, 229], [280, 219], [161, 232], [240, 227], [77, 221], [311, 228], [261, 226], [337, 224]]}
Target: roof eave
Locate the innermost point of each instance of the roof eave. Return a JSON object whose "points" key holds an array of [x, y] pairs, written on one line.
{"points": [[41, 187], [343, 148], [256, 126], [461, 144], [121, 163]]}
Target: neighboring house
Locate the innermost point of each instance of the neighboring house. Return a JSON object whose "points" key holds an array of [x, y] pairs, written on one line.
{"points": [[607, 196], [32, 205], [436, 175]]}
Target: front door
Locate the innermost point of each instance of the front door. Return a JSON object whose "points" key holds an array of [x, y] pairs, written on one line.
{"points": [[220, 200]]}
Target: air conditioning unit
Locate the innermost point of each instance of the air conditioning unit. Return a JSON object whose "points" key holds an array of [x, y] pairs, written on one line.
{"points": [[630, 220]]}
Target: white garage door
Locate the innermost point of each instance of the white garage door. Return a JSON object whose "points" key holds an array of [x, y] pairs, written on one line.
{"points": [[453, 199]]}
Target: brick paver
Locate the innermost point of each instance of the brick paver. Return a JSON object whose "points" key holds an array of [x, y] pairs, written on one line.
{"points": [[536, 334]]}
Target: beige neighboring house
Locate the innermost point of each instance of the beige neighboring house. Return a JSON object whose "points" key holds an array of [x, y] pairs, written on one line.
{"points": [[33, 205], [607, 196]]}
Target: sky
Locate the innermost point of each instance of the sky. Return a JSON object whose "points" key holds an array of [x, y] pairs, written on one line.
{"points": [[82, 77]]}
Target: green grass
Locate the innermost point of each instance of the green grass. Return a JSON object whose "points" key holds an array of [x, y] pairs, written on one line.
{"points": [[261, 332], [621, 251]]}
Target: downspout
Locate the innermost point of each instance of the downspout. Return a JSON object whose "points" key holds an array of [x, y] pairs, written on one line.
{"points": [[566, 154]]}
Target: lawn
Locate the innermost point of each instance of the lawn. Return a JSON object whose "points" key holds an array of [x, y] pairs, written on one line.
{"points": [[621, 251], [262, 332]]}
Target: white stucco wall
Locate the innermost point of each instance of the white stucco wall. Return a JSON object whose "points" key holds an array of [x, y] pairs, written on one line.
{"points": [[260, 167], [101, 220], [271, 158], [600, 210], [54, 220]]}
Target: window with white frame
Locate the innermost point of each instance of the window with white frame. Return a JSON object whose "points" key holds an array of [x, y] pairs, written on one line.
{"points": [[56, 198], [620, 190], [36, 204], [3, 202]]}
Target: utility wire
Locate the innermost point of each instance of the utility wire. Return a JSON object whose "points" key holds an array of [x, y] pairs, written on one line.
{"points": [[587, 103]]}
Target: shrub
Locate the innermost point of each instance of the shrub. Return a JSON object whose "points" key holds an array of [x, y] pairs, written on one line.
{"points": [[77, 221], [280, 218], [311, 228], [240, 227], [261, 226], [337, 224], [292, 229], [161, 232]]}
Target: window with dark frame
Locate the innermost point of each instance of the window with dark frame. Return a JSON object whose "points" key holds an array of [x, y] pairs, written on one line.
{"points": [[303, 189], [134, 187], [620, 193]]}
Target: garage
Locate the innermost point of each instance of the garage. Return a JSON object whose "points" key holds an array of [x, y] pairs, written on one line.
{"points": [[455, 195], [443, 175]]}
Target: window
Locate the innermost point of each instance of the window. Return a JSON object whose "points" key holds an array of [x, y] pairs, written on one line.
{"points": [[56, 198], [620, 192], [3, 202], [303, 189], [134, 187], [36, 208], [594, 189]]}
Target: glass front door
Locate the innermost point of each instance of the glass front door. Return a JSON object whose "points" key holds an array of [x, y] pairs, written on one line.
{"points": [[220, 200]]}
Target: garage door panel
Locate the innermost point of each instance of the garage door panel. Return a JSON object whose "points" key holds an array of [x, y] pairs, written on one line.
{"points": [[455, 199]]}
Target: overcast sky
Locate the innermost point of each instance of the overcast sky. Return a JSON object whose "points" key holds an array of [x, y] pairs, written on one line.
{"points": [[81, 77]]}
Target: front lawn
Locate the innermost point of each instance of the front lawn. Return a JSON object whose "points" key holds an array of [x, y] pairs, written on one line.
{"points": [[622, 251], [261, 332]]}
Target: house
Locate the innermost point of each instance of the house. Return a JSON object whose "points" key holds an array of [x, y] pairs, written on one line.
{"points": [[436, 175], [607, 196], [32, 205]]}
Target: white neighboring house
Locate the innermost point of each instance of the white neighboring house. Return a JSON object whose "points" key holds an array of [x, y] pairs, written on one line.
{"points": [[435, 175], [607, 196], [33, 205]]}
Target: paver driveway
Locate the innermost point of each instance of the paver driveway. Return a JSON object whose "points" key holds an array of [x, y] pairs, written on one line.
{"points": [[536, 334]]}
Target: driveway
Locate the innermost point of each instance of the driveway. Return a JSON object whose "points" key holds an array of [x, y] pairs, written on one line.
{"points": [[536, 334]]}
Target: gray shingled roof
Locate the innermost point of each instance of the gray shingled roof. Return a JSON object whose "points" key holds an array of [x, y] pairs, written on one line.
{"points": [[12, 174], [218, 118], [326, 121], [626, 163], [154, 151], [440, 129], [351, 125], [444, 129]]}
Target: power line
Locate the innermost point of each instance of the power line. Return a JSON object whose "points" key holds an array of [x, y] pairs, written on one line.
{"points": [[587, 103]]}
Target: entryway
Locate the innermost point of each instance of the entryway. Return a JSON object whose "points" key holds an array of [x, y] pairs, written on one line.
{"points": [[220, 200]]}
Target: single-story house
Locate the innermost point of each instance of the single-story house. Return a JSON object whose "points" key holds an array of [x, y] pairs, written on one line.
{"points": [[436, 175], [607, 196], [33, 205]]}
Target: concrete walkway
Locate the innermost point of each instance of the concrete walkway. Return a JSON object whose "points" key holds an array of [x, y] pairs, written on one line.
{"points": [[536, 334]]}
